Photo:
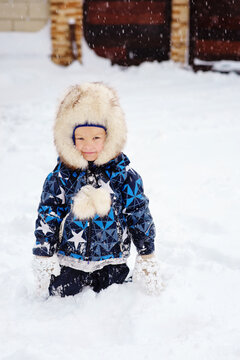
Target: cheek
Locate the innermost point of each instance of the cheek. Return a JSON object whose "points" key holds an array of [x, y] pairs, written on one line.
{"points": [[78, 146], [101, 146]]}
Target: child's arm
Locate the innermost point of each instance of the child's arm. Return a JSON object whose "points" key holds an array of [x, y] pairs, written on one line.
{"points": [[52, 209], [142, 229], [139, 220]]}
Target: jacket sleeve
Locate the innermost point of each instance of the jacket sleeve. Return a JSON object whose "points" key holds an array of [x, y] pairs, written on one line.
{"points": [[139, 220], [51, 211]]}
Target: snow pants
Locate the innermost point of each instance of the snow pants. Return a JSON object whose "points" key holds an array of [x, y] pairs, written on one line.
{"points": [[72, 281]]}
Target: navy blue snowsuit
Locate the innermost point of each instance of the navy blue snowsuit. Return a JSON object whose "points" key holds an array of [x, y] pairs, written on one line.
{"points": [[99, 238]]}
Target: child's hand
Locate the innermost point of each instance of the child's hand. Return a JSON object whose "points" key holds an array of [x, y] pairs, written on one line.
{"points": [[147, 274], [43, 268]]}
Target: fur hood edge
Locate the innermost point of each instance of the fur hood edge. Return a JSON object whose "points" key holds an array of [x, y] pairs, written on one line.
{"points": [[93, 103]]}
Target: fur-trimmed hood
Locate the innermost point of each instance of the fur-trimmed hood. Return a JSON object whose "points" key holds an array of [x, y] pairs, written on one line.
{"points": [[92, 103]]}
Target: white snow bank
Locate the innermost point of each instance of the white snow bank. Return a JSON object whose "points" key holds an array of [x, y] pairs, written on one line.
{"points": [[220, 65]]}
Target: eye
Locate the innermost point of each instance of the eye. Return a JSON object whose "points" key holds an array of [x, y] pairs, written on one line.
{"points": [[79, 138], [96, 137]]}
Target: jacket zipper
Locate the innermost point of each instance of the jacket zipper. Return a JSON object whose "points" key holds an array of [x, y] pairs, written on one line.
{"points": [[89, 240], [88, 246]]}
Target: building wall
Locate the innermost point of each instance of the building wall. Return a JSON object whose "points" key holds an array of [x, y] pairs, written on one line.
{"points": [[32, 15], [23, 15]]}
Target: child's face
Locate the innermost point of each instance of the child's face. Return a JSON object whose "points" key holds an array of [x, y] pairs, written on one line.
{"points": [[90, 141]]}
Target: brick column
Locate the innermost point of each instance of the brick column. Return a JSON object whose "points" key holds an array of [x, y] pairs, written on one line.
{"points": [[66, 31], [180, 30]]}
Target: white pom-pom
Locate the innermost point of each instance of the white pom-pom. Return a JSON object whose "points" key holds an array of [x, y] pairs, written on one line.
{"points": [[91, 201], [83, 206], [102, 201]]}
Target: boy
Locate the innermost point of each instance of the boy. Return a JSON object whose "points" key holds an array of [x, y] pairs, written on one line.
{"points": [[92, 205]]}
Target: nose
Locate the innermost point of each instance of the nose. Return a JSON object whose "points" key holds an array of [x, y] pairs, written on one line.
{"points": [[87, 145]]}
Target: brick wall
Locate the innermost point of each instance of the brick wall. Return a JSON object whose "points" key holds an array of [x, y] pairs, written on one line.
{"points": [[23, 15], [180, 30]]}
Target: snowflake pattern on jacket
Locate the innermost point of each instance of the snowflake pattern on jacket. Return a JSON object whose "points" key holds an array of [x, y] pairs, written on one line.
{"points": [[98, 238]]}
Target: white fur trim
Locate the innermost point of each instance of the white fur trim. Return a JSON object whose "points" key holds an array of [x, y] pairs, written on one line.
{"points": [[88, 266], [93, 103], [90, 201]]}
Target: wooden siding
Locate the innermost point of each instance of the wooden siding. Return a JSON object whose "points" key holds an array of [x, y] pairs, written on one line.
{"points": [[214, 30], [128, 33]]}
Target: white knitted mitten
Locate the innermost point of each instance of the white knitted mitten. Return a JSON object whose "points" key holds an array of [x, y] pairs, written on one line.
{"points": [[43, 268], [146, 274]]}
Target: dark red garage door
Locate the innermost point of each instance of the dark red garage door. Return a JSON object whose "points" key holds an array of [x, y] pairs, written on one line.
{"points": [[128, 32], [214, 30]]}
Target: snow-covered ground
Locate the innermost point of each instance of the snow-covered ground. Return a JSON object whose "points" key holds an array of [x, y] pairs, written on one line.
{"points": [[184, 139]]}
